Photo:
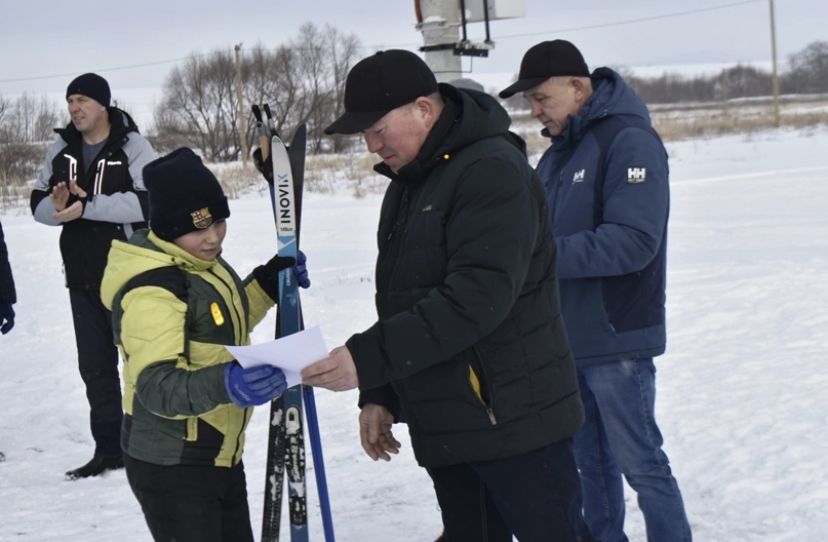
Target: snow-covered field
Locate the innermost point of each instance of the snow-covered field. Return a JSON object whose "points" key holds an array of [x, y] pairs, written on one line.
{"points": [[742, 395]]}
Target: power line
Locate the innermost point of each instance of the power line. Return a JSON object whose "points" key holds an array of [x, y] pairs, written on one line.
{"points": [[638, 20], [605, 25], [71, 74]]}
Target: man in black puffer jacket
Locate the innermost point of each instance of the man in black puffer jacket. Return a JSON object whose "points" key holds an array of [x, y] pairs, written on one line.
{"points": [[91, 185], [469, 349]]}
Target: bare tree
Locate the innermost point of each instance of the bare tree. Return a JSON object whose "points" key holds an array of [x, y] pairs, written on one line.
{"points": [[302, 82], [199, 106], [5, 105], [281, 85], [26, 126], [311, 49], [741, 82], [808, 70], [29, 119], [343, 54]]}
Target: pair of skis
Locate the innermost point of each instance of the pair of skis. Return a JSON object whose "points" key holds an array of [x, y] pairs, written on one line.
{"points": [[283, 167]]}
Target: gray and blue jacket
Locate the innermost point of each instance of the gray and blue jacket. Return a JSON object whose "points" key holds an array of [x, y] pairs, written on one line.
{"points": [[116, 205], [606, 179]]}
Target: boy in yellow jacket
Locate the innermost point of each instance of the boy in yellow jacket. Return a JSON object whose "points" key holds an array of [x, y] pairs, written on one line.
{"points": [[175, 304]]}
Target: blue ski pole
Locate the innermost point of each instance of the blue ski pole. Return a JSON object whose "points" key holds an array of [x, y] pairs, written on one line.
{"points": [[318, 463]]}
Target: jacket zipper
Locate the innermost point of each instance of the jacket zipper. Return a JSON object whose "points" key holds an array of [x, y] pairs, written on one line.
{"points": [[562, 163], [396, 230], [242, 333]]}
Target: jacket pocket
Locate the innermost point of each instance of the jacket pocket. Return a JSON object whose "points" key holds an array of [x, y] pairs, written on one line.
{"points": [[479, 384]]}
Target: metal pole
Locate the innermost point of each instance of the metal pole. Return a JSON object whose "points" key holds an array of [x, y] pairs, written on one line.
{"points": [[240, 100], [440, 27], [463, 19], [774, 76], [486, 20]]}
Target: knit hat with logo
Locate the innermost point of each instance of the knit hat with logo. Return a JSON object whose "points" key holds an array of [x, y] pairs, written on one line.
{"points": [[184, 196]]}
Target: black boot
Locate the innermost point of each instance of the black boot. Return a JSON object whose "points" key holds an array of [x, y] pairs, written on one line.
{"points": [[97, 465]]}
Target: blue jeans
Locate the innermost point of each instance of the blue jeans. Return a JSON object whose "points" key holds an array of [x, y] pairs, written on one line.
{"points": [[620, 436]]}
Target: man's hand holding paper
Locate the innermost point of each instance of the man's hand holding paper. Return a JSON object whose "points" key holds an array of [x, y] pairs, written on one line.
{"points": [[291, 354]]}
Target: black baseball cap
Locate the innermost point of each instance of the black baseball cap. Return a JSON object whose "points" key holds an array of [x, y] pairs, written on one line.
{"points": [[380, 83], [544, 60]]}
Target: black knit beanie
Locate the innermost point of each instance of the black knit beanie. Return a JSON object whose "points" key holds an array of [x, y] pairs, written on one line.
{"points": [[92, 85], [184, 196]]}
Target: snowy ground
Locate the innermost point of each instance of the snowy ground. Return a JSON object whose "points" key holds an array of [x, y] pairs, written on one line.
{"points": [[741, 401]]}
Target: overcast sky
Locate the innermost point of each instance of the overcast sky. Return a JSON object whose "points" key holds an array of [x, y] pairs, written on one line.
{"points": [[43, 44]]}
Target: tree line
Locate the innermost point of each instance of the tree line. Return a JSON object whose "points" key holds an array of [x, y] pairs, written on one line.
{"points": [[807, 73], [303, 80]]}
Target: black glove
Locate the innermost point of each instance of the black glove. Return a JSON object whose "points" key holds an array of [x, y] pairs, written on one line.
{"points": [[265, 167], [268, 274], [7, 316]]}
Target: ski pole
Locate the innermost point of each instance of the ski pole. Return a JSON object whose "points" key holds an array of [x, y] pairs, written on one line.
{"points": [[318, 463]]}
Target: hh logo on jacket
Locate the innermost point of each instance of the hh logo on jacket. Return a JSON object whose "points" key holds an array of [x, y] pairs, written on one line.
{"points": [[636, 175]]}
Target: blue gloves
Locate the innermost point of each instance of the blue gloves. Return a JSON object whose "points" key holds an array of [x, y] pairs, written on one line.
{"points": [[267, 275], [300, 270], [253, 386], [7, 314]]}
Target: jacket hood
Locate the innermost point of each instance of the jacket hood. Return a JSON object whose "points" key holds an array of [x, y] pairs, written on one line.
{"points": [[611, 95], [479, 116], [468, 116], [144, 251]]}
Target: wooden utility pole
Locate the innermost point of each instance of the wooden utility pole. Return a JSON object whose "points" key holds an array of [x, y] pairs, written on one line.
{"points": [[774, 76], [240, 100]]}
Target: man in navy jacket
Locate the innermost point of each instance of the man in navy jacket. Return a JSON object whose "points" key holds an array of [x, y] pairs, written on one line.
{"points": [[606, 179]]}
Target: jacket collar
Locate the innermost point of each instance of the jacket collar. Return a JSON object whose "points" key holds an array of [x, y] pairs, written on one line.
{"points": [[119, 121]]}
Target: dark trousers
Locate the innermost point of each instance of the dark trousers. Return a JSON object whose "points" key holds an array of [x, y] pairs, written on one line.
{"points": [[187, 503], [535, 496], [98, 365]]}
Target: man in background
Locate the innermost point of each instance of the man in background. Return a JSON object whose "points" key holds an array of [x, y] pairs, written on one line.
{"points": [[606, 180], [91, 186], [8, 296]]}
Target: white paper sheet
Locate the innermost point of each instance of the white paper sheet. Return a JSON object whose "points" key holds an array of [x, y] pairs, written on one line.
{"points": [[291, 354]]}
